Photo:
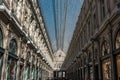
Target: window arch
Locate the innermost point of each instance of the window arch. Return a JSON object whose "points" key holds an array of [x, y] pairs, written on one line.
{"points": [[1, 38], [117, 42], [13, 46], [105, 48]]}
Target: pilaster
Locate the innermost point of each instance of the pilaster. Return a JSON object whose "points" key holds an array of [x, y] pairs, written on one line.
{"points": [[5, 56], [18, 63]]}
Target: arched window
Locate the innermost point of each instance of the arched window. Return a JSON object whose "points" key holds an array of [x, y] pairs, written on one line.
{"points": [[1, 38], [85, 59], [96, 54], [90, 56], [13, 46], [117, 43], [28, 56], [105, 48]]}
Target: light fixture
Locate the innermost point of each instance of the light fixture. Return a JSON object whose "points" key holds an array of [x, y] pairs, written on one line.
{"points": [[38, 51], [28, 42]]}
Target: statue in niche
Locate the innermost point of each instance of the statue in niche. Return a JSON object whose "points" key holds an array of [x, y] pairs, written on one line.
{"points": [[32, 28], [37, 10], [19, 9], [36, 36], [29, 14], [27, 17]]}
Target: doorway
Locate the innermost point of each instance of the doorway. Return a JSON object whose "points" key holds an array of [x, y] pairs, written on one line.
{"points": [[96, 73]]}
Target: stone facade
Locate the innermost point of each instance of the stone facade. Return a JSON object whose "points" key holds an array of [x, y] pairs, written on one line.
{"points": [[94, 52], [25, 50]]}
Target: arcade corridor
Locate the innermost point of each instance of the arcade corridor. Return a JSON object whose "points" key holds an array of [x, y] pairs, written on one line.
{"points": [[59, 40]]}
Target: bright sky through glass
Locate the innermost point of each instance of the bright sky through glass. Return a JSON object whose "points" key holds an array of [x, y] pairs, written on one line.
{"points": [[72, 16]]}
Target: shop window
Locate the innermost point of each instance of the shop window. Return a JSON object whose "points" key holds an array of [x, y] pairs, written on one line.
{"points": [[11, 69], [59, 74], [1, 62], [33, 73], [106, 68], [91, 73], [105, 49], [21, 72], [13, 46], [37, 73], [1, 45], [40, 73], [86, 74], [118, 66], [118, 40], [27, 73], [63, 74], [1, 38]]}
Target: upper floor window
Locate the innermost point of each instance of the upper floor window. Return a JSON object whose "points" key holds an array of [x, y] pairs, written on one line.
{"points": [[96, 54], [117, 44], [105, 48], [13, 46], [102, 9], [90, 56], [1, 38], [28, 56]]}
